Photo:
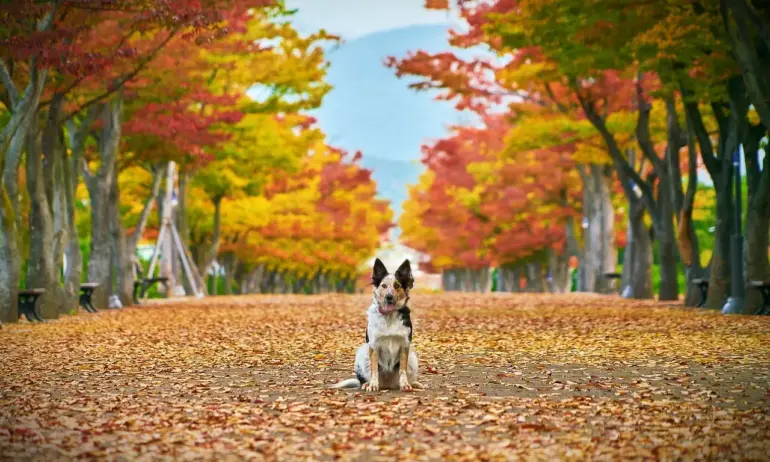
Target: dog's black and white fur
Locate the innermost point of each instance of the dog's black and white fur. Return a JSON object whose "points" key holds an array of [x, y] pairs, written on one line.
{"points": [[387, 359]]}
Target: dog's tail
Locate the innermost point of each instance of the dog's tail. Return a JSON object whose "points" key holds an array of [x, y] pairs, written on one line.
{"points": [[347, 383]]}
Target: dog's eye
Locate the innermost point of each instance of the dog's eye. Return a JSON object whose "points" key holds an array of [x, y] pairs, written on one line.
{"points": [[396, 286], [384, 286]]}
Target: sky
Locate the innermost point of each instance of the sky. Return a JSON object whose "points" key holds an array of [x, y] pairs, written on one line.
{"points": [[355, 18]]}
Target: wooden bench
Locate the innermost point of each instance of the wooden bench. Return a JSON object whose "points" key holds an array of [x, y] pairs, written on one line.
{"points": [[143, 284], [703, 285], [764, 288], [86, 291], [27, 301], [613, 276]]}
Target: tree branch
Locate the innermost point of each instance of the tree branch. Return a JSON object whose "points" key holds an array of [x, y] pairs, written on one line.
{"points": [[10, 87], [643, 137], [695, 122], [118, 84], [675, 142], [551, 95], [625, 171], [80, 80]]}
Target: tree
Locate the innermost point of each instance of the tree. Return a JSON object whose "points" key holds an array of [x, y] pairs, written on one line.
{"points": [[530, 86], [85, 57]]}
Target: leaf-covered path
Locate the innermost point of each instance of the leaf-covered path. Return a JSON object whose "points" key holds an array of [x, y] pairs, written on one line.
{"points": [[528, 377]]}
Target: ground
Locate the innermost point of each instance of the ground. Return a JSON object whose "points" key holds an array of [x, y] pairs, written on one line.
{"points": [[529, 377]]}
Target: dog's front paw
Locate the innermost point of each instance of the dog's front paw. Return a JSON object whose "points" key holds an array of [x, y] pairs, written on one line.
{"points": [[372, 386], [403, 384]]}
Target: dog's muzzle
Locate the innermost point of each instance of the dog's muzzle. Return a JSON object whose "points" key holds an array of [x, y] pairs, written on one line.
{"points": [[389, 305]]}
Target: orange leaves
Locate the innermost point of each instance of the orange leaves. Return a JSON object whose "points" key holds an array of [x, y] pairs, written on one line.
{"points": [[323, 217], [528, 377], [436, 4], [476, 207]]}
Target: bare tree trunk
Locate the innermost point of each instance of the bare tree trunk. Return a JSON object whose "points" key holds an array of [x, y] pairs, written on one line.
{"points": [[639, 283], [61, 233], [757, 219], [666, 234], [689, 248], [71, 176], [269, 282], [558, 264], [599, 251], [214, 249], [99, 185], [123, 252], [230, 263], [40, 267], [182, 222], [750, 38], [52, 147], [534, 276], [12, 138]]}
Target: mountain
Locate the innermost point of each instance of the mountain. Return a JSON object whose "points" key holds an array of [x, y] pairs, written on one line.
{"points": [[371, 110]]}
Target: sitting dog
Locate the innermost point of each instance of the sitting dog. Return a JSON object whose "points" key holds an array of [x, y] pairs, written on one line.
{"points": [[386, 360]]}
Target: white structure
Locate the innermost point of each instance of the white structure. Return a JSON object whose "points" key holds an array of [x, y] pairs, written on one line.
{"points": [[393, 254], [168, 242]]}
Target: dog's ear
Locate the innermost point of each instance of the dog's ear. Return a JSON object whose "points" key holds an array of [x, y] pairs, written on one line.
{"points": [[378, 272], [404, 275]]}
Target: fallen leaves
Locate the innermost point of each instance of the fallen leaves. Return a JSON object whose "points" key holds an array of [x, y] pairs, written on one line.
{"points": [[527, 376]]}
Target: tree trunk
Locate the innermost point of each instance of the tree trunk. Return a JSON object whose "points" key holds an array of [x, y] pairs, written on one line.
{"points": [[501, 281], [750, 38], [41, 273], [670, 202], [466, 281], [666, 234], [61, 233], [558, 266], [123, 252], [73, 270], [99, 185], [733, 125], [257, 279], [757, 219], [509, 278], [599, 251], [719, 283], [687, 239], [214, 249], [53, 182], [757, 268], [534, 275], [100, 257], [12, 139], [637, 262], [267, 283], [10, 266], [230, 264]]}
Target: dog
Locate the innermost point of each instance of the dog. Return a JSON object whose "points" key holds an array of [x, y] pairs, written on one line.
{"points": [[387, 360]]}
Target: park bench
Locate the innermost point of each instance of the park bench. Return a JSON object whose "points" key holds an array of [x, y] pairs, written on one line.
{"points": [[703, 285], [764, 288], [27, 301], [143, 284], [86, 291], [613, 276]]}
